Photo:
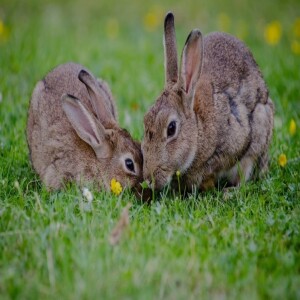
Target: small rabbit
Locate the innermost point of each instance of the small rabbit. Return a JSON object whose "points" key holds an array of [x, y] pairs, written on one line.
{"points": [[73, 134], [214, 118]]}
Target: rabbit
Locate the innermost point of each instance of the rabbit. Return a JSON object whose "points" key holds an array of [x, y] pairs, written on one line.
{"points": [[214, 118], [73, 134]]}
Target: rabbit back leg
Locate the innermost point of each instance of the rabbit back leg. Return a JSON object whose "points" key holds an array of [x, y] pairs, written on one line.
{"points": [[51, 178], [241, 172], [55, 177], [262, 128], [255, 160]]}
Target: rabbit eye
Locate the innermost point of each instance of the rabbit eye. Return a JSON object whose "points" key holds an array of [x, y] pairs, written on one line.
{"points": [[171, 129], [129, 164]]}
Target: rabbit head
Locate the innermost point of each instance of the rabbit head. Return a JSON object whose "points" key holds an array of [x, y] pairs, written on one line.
{"points": [[119, 155], [171, 129]]}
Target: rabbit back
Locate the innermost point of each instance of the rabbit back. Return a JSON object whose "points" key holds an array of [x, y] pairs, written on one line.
{"points": [[242, 110]]}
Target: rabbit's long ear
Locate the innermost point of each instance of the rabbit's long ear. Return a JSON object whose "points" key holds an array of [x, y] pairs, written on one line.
{"points": [[171, 64], [85, 125], [99, 100], [108, 97], [191, 61]]}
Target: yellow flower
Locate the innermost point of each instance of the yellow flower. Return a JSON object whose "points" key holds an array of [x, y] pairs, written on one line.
{"points": [[2, 28], [296, 28], [153, 18], [224, 22], [177, 173], [293, 127], [295, 46], [112, 28], [135, 106], [273, 33], [4, 32], [282, 160], [115, 187]]}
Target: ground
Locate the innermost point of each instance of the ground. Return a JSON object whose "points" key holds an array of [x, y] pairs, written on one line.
{"points": [[242, 245]]}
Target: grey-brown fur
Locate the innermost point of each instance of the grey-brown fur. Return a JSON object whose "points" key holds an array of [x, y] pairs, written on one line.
{"points": [[57, 152], [224, 116]]}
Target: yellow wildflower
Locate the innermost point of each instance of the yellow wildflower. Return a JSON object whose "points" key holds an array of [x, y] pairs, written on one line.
{"points": [[153, 18], [135, 106], [2, 28], [295, 46], [224, 22], [282, 160], [273, 33], [293, 127], [296, 28], [4, 32], [115, 187], [112, 28], [177, 173]]}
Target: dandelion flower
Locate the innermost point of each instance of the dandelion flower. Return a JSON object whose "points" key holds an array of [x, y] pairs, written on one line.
{"points": [[115, 187], [224, 22], [295, 47], [87, 194], [177, 173], [296, 28], [273, 33], [135, 106], [112, 28], [2, 28], [152, 19], [282, 160], [293, 127], [4, 32]]}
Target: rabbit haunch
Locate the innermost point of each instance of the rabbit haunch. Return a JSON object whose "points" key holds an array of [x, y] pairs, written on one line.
{"points": [[73, 134], [221, 109]]}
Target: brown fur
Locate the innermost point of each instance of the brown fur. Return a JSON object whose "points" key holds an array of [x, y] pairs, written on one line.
{"points": [[58, 154], [224, 115]]}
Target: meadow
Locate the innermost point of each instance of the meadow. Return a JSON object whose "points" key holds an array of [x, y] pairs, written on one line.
{"points": [[244, 245]]}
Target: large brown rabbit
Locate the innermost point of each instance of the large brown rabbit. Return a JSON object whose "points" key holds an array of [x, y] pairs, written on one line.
{"points": [[214, 118], [73, 134]]}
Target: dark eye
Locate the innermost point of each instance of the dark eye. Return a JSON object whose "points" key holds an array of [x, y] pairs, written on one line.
{"points": [[171, 129], [129, 164]]}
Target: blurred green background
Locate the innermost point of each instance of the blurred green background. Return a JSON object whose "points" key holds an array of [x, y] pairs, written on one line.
{"points": [[121, 41]]}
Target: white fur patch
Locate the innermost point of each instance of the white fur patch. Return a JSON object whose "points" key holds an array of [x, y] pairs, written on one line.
{"points": [[189, 160]]}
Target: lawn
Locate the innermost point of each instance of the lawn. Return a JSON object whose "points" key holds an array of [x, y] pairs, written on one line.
{"points": [[245, 245]]}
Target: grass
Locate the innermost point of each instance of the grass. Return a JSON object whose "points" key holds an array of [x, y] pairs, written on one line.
{"points": [[246, 246]]}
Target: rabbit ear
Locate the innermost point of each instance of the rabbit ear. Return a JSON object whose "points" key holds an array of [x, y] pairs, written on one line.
{"points": [[171, 68], [108, 97], [191, 61], [85, 125], [99, 100]]}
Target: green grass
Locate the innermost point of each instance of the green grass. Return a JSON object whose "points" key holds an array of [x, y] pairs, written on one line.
{"points": [[202, 247]]}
